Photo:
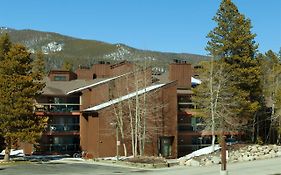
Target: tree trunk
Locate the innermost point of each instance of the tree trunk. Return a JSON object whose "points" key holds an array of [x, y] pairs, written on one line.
{"points": [[125, 149], [212, 107], [268, 138], [254, 129], [7, 154]]}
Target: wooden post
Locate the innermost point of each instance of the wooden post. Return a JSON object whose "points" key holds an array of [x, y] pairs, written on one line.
{"points": [[223, 153]]}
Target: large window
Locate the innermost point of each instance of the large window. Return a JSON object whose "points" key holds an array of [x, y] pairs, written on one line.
{"points": [[60, 78]]}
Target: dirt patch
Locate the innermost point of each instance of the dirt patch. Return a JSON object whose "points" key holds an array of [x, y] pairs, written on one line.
{"points": [[147, 160]]}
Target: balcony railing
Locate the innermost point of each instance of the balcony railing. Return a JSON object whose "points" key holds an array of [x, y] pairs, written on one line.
{"points": [[57, 147], [54, 107], [63, 128]]}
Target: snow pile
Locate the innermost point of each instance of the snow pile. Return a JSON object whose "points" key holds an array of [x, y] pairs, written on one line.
{"points": [[14, 152], [203, 151], [115, 158]]}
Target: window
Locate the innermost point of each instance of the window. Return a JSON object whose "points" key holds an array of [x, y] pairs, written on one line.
{"points": [[60, 78]]}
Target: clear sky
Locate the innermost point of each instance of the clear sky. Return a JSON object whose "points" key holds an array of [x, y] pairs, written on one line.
{"points": [[161, 25]]}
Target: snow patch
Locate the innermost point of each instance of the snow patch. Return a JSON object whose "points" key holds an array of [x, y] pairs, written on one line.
{"points": [[195, 81], [52, 47], [14, 152], [203, 151], [119, 54]]}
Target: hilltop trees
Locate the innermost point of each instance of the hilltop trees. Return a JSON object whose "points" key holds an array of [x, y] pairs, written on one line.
{"points": [[235, 76], [20, 82]]}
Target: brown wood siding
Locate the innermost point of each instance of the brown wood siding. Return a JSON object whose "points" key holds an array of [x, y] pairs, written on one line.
{"points": [[101, 135], [122, 69], [86, 74], [181, 72], [93, 136], [101, 70]]}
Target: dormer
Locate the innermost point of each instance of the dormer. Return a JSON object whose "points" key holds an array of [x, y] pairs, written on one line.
{"points": [[62, 75]]}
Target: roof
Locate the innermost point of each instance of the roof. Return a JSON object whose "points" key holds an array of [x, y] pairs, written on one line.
{"points": [[125, 97], [164, 78], [81, 88], [62, 87]]}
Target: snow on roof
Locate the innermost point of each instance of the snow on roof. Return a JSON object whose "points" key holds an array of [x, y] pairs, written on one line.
{"points": [[111, 102], [195, 81], [94, 84]]}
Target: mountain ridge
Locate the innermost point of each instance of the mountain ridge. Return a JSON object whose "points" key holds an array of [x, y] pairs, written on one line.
{"points": [[60, 48]]}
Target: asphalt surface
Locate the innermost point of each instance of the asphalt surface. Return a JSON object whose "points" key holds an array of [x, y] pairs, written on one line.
{"points": [[258, 167]]}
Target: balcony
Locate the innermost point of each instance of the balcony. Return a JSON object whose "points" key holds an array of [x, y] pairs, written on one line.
{"points": [[54, 107], [63, 128]]}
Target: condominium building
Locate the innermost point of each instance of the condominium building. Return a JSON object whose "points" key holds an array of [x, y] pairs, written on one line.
{"points": [[82, 105]]}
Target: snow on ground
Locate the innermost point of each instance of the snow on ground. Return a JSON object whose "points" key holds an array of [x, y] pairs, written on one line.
{"points": [[115, 158], [206, 150], [14, 152]]}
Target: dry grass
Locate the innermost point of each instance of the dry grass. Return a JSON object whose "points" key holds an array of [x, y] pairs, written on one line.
{"points": [[148, 160]]}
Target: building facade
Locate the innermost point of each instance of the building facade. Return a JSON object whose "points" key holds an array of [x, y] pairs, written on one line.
{"points": [[81, 107]]}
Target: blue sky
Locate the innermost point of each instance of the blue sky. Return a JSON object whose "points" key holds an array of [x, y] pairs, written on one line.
{"points": [[161, 25]]}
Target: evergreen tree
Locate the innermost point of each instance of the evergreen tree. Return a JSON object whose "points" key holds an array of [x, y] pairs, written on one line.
{"points": [[5, 45], [232, 42], [19, 85], [271, 83]]}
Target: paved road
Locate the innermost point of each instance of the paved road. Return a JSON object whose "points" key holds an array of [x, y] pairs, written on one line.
{"points": [[260, 167]]}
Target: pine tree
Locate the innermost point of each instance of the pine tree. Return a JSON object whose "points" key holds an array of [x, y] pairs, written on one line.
{"points": [[5, 45], [19, 85], [271, 82], [232, 42]]}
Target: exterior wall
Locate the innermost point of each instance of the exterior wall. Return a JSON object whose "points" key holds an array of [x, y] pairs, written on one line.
{"points": [[114, 89], [122, 68], [105, 70], [181, 72], [93, 139], [170, 114], [84, 132], [86, 74], [101, 70], [101, 134]]}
